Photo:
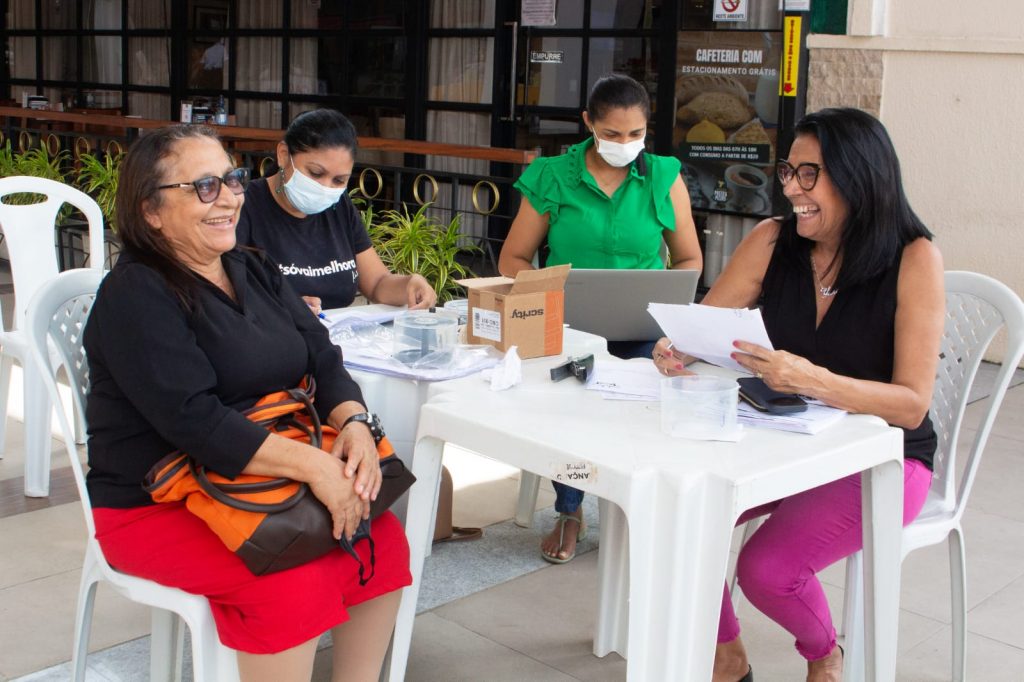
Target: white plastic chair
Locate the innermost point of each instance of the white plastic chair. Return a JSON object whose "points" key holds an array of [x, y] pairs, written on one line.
{"points": [[29, 232], [56, 319], [977, 307]]}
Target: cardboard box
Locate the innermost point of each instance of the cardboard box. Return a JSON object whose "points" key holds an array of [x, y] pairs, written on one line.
{"points": [[526, 312]]}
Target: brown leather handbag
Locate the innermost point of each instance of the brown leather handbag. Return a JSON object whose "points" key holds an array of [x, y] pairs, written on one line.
{"points": [[273, 524]]}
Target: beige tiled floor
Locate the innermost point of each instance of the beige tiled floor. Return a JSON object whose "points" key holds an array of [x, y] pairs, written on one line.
{"points": [[538, 626]]}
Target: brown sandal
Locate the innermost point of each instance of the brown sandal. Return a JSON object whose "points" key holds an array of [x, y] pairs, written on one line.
{"points": [[459, 534]]}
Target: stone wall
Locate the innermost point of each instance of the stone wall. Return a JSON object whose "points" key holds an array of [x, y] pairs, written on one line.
{"points": [[845, 78]]}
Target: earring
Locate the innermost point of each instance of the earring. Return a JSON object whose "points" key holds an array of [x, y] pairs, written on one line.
{"points": [[280, 183]]}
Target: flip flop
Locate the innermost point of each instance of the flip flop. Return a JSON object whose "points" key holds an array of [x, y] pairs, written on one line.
{"points": [[581, 535], [459, 534]]}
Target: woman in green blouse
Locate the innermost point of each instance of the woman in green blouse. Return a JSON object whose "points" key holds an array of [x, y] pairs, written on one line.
{"points": [[605, 203]]}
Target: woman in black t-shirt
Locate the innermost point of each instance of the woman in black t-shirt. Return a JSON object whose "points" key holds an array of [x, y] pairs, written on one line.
{"points": [[303, 218]]}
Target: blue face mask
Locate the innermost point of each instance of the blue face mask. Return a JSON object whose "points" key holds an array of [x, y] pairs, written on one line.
{"points": [[309, 196]]}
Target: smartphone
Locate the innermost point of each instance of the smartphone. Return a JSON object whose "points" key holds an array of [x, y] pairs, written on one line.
{"points": [[765, 399]]}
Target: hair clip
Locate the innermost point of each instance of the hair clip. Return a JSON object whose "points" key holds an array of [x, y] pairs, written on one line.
{"points": [[580, 368]]}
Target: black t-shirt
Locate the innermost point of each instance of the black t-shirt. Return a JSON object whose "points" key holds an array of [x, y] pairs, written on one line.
{"points": [[163, 379], [316, 253]]}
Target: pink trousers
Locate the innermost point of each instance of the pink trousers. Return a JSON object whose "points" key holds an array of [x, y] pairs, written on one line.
{"points": [[804, 534]]}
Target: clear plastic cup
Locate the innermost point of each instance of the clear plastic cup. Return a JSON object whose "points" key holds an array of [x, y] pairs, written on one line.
{"points": [[698, 406]]}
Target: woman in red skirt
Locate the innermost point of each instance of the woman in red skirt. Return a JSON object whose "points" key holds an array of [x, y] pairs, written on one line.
{"points": [[186, 332]]}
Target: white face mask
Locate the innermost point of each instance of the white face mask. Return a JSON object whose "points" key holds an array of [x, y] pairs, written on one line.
{"points": [[618, 154], [309, 196]]}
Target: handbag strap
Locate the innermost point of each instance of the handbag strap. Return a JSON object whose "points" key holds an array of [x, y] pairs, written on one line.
{"points": [[198, 472], [276, 412]]}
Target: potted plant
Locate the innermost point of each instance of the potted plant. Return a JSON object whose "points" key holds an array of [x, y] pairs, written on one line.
{"points": [[420, 243], [98, 178]]}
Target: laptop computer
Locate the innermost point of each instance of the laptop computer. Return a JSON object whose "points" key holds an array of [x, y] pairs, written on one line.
{"points": [[613, 303]]}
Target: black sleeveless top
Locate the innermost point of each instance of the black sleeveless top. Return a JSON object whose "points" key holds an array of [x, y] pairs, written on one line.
{"points": [[855, 338]]}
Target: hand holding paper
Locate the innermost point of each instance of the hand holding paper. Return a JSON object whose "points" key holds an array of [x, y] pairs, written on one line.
{"points": [[707, 332]]}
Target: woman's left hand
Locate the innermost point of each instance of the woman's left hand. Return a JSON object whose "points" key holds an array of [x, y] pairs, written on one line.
{"points": [[781, 370], [355, 445], [419, 293]]}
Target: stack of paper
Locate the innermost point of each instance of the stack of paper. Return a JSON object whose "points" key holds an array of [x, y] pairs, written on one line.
{"points": [[621, 380], [707, 332], [816, 418]]}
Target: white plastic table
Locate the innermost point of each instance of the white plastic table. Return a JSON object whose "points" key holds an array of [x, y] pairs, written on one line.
{"points": [[681, 499]]}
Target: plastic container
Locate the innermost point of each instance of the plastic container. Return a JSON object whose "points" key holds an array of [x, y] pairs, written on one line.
{"points": [[425, 338], [698, 407]]}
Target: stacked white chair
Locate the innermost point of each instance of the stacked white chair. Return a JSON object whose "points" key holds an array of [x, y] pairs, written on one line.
{"points": [[29, 234], [56, 319]]}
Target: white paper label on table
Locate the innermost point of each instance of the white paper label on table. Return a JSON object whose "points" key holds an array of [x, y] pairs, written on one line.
{"points": [[573, 472], [707, 332], [487, 324]]}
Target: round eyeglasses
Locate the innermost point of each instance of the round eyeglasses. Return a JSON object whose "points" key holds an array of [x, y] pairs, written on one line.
{"points": [[806, 174], [208, 188]]}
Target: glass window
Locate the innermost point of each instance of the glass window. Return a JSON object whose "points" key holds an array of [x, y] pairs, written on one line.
{"points": [[101, 59], [150, 105], [149, 61], [569, 14], [258, 65], [149, 14], [296, 108], [460, 69], [256, 13], [555, 84], [462, 14], [101, 99], [213, 16], [551, 134], [315, 66], [100, 15], [59, 15], [21, 14], [377, 14], [378, 67], [206, 60], [253, 113], [326, 17], [21, 55], [59, 59], [631, 56], [627, 14]]}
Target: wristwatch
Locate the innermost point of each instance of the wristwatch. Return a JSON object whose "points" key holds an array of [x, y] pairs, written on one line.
{"points": [[372, 422]]}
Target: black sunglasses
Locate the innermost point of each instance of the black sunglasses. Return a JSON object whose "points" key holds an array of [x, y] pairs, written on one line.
{"points": [[208, 188], [806, 174]]}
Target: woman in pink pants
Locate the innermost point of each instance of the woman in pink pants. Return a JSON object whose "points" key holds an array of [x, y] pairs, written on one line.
{"points": [[850, 287]]}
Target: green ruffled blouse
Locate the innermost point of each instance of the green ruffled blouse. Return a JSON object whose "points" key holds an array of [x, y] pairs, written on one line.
{"points": [[591, 230]]}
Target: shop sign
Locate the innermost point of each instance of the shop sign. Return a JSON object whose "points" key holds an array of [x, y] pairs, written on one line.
{"points": [[731, 10], [791, 59], [726, 116], [549, 57]]}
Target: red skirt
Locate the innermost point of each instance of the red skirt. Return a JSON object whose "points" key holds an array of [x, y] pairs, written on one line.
{"points": [[264, 614]]}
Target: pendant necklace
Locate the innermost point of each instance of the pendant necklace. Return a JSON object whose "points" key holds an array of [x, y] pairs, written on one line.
{"points": [[825, 291]]}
